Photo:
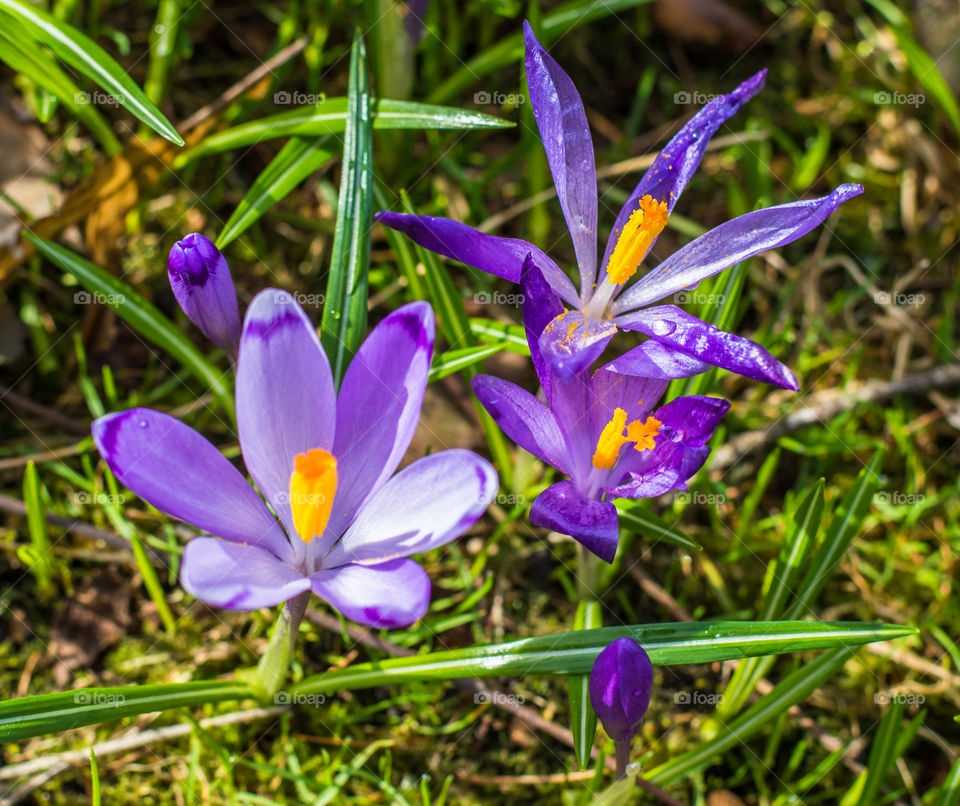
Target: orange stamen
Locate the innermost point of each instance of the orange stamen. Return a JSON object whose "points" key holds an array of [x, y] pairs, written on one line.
{"points": [[636, 238], [312, 487]]}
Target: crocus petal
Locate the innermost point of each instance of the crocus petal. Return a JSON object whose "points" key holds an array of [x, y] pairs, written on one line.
{"points": [[392, 594], [687, 424], [572, 341], [285, 396], [201, 282], [678, 329], [634, 394], [540, 305], [172, 467], [732, 242], [655, 360], [233, 576], [502, 257], [680, 158], [427, 504], [593, 523], [565, 133], [621, 682], [378, 408], [523, 418]]}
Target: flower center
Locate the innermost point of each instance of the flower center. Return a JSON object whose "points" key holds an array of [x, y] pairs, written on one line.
{"points": [[312, 487], [613, 438], [636, 238]]}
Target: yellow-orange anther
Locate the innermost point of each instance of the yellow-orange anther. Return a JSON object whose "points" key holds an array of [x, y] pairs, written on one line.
{"points": [[312, 487], [636, 238], [613, 438]]}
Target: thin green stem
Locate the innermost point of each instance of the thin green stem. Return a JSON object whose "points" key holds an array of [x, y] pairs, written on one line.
{"points": [[271, 672]]}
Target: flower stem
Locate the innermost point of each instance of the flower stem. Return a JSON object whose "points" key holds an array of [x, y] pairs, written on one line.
{"points": [[623, 757], [271, 672], [588, 574]]}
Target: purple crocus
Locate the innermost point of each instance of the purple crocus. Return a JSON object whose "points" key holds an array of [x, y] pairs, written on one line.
{"points": [[342, 524], [201, 282], [620, 685], [601, 429], [679, 345]]}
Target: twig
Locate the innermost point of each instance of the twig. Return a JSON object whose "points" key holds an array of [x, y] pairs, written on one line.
{"points": [[244, 84], [832, 402], [56, 417]]}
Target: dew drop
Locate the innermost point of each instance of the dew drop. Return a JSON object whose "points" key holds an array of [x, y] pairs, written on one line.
{"points": [[143, 423]]}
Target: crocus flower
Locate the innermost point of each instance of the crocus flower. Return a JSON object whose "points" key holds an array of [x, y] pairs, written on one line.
{"points": [[679, 345], [201, 282], [342, 524], [601, 430], [620, 685]]}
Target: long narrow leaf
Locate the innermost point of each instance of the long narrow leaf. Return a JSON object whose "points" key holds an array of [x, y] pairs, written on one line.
{"points": [[639, 519], [562, 653], [330, 118], [143, 317], [583, 719], [345, 307], [88, 58]]}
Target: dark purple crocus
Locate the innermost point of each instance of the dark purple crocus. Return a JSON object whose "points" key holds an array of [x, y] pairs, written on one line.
{"points": [[679, 345], [201, 282], [600, 429], [342, 524], [620, 685]]}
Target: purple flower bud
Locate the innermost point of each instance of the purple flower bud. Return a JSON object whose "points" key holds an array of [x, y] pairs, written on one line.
{"points": [[620, 685], [201, 282]]}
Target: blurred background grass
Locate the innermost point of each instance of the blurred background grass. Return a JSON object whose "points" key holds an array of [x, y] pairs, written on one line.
{"points": [[856, 92]]}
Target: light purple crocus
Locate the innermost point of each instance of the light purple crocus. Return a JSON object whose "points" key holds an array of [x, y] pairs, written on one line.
{"points": [[201, 282], [680, 345], [600, 429], [621, 682], [342, 524]]}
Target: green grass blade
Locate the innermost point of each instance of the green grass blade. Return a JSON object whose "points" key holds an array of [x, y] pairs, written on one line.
{"points": [[458, 360], [24, 717], [794, 688], [345, 307], [299, 158], [889, 743], [638, 518], [163, 49], [330, 118], [574, 652], [950, 789], [583, 719], [143, 317], [94, 779], [514, 336], [39, 555], [87, 57]]}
